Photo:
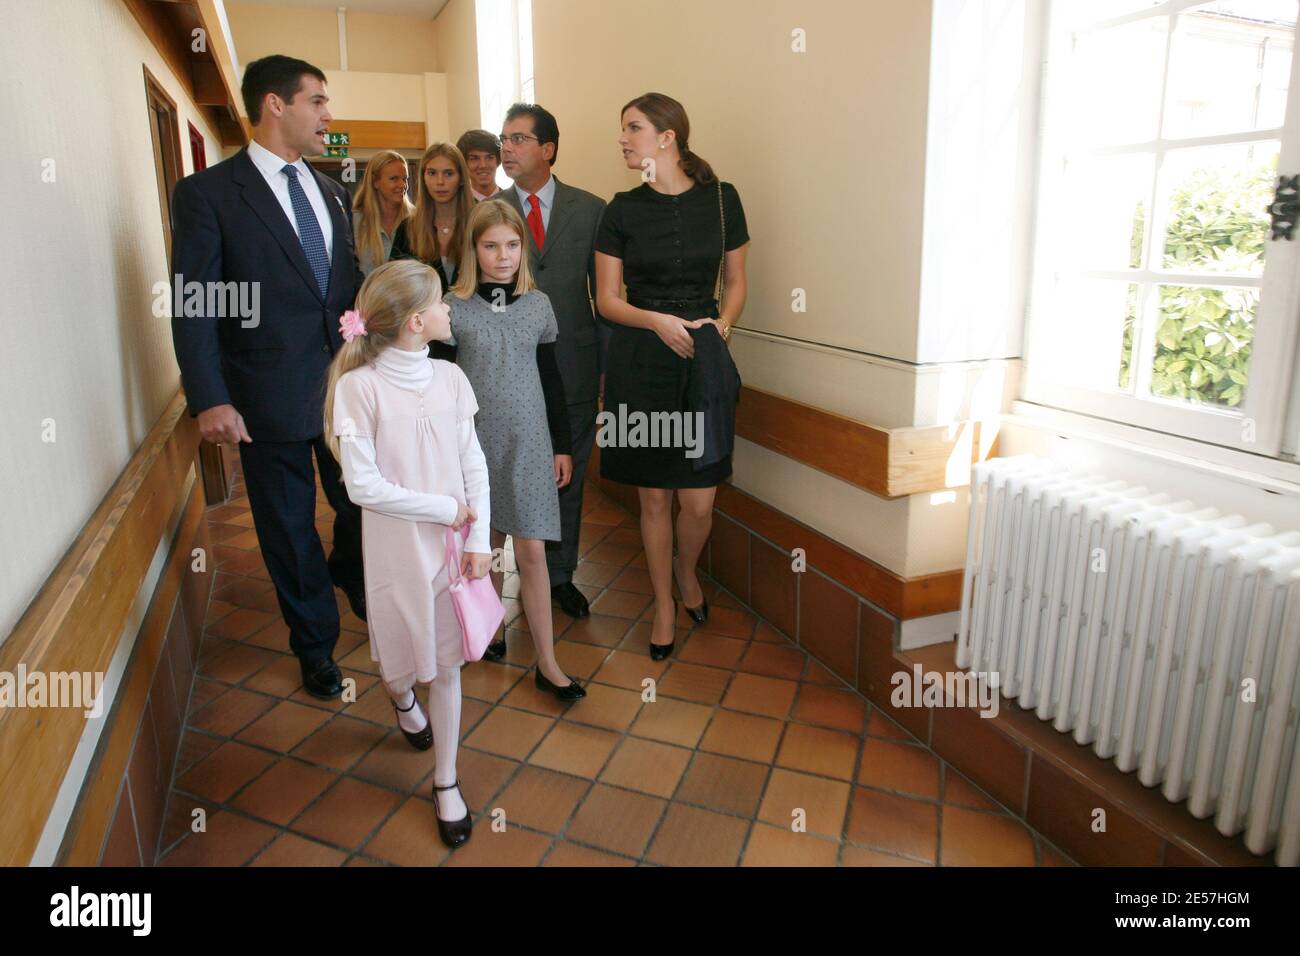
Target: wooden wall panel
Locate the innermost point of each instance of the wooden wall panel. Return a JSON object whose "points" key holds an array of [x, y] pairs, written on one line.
{"points": [[76, 620]]}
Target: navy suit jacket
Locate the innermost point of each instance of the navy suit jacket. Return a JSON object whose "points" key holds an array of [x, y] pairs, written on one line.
{"points": [[228, 227]]}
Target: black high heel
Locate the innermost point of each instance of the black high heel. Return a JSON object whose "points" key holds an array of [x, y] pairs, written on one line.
{"points": [[454, 833], [421, 739], [495, 651], [574, 691], [697, 614], [659, 652]]}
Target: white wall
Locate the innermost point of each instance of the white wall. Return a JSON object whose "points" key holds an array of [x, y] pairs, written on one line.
{"points": [[78, 259]]}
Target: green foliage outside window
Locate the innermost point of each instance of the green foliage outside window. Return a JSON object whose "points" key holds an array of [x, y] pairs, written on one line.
{"points": [[1218, 223]]}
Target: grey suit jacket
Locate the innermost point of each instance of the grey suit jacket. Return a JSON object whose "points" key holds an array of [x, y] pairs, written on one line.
{"points": [[566, 271]]}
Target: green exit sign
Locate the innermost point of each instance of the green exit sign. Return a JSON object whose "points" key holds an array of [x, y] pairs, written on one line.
{"points": [[337, 151], [336, 139]]}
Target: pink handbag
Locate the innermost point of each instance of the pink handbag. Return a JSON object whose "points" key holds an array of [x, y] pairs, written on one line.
{"points": [[478, 608]]}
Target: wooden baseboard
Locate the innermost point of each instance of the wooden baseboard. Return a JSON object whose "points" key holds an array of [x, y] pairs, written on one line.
{"points": [[889, 462], [76, 620]]}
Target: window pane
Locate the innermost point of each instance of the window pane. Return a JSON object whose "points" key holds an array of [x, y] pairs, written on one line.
{"points": [[1104, 217], [1203, 344], [1217, 207], [1087, 332], [1083, 12], [1226, 67], [1125, 382], [1115, 82]]}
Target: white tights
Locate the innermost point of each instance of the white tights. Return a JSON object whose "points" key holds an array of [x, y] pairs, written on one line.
{"points": [[444, 715]]}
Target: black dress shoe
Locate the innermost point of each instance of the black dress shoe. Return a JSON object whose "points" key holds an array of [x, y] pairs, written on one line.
{"points": [[573, 692], [421, 739], [454, 833], [495, 651], [659, 652], [571, 600], [322, 679]]}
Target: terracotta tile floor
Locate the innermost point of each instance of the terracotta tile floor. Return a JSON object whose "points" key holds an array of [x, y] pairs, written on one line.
{"points": [[746, 738]]}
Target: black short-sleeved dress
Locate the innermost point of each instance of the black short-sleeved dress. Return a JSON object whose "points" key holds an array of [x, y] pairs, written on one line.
{"points": [[671, 247]]}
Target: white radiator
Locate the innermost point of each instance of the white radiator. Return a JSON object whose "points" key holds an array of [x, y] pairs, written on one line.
{"points": [[1139, 623]]}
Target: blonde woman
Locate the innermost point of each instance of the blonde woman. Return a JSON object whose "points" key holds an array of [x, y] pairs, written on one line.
{"points": [[435, 232], [402, 428], [380, 207]]}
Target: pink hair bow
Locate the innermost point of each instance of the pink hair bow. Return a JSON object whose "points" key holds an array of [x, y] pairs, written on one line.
{"points": [[351, 325]]}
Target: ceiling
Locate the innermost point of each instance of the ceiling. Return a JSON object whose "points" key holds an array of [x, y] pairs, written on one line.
{"points": [[408, 8]]}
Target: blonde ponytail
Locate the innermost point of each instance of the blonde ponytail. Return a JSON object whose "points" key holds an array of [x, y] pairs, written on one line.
{"points": [[391, 294]]}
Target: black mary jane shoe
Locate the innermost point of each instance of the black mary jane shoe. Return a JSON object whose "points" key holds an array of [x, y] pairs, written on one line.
{"points": [[496, 651], [421, 739], [659, 652], [574, 691], [697, 614], [454, 833]]}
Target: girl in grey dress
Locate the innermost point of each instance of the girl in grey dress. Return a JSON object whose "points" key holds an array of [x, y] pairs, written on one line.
{"points": [[504, 331]]}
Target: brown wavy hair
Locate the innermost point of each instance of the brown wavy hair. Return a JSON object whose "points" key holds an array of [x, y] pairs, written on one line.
{"points": [[422, 231], [665, 113]]}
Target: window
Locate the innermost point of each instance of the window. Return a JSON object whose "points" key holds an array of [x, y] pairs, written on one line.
{"points": [[1159, 297], [505, 70]]}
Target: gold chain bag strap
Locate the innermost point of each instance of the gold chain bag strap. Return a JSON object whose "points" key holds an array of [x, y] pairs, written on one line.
{"points": [[721, 286]]}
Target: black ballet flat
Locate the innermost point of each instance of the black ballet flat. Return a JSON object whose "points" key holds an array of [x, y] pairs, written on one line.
{"points": [[496, 651], [422, 739], [574, 691], [659, 652], [454, 833]]}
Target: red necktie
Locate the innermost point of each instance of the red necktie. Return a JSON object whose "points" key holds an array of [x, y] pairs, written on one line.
{"points": [[535, 222]]}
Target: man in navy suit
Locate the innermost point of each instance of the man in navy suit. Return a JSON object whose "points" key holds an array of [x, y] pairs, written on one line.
{"points": [[267, 221]]}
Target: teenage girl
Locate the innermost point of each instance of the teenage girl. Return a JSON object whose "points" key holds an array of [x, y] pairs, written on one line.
{"points": [[505, 331]]}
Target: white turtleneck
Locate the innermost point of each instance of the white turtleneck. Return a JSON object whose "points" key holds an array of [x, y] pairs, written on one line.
{"points": [[370, 489]]}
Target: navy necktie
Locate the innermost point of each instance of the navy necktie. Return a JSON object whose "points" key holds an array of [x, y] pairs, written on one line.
{"points": [[309, 234]]}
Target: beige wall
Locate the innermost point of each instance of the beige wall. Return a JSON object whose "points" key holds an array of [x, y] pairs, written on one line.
{"points": [[458, 58], [386, 44], [827, 147], [376, 43], [81, 254]]}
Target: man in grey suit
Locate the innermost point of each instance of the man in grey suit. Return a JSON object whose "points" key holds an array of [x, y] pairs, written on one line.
{"points": [[562, 221]]}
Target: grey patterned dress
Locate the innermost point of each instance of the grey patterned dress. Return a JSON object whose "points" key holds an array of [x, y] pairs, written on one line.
{"points": [[497, 350]]}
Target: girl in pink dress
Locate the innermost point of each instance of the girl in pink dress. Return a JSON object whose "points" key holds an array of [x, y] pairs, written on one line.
{"points": [[402, 428]]}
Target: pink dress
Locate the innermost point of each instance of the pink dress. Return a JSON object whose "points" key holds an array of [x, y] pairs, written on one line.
{"points": [[412, 624]]}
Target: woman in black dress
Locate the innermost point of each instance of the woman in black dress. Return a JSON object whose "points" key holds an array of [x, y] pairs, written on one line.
{"points": [[665, 240]]}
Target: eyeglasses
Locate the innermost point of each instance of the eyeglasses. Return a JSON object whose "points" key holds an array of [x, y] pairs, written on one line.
{"points": [[518, 138]]}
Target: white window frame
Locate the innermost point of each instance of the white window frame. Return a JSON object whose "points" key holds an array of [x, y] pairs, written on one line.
{"points": [[1259, 424]]}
